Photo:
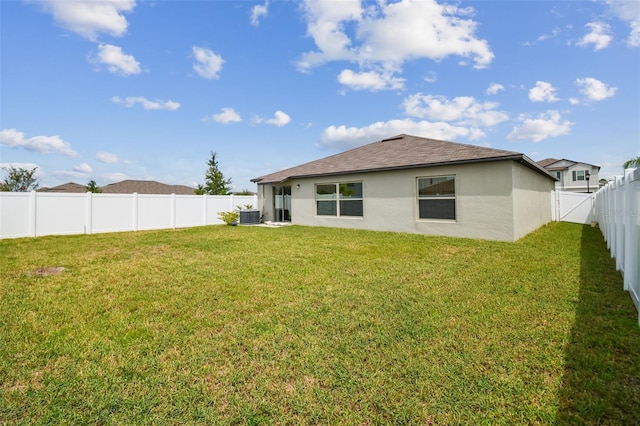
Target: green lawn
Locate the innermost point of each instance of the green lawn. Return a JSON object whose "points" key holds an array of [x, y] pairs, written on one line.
{"points": [[297, 325]]}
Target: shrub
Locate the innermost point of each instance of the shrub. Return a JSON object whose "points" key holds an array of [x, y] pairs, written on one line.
{"points": [[230, 218]]}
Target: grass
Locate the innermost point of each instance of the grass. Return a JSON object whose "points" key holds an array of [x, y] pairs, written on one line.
{"points": [[296, 325]]}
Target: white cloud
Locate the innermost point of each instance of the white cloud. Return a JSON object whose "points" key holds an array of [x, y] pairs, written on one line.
{"points": [[370, 80], [90, 18], [108, 158], [325, 24], [422, 29], [494, 88], [599, 35], [115, 177], [79, 172], [83, 168], [228, 115], [431, 77], [554, 33], [462, 110], [280, 119], [42, 144], [385, 35], [208, 64], [536, 129], [628, 11], [116, 60], [543, 92], [259, 11], [146, 103], [343, 137], [594, 89]]}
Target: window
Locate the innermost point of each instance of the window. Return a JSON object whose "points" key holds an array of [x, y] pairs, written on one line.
{"points": [[559, 175], [578, 175], [339, 199], [437, 198]]}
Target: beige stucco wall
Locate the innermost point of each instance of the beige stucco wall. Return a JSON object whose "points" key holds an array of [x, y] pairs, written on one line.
{"points": [[531, 200], [484, 201]]}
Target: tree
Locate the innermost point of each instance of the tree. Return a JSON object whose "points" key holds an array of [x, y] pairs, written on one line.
{"points": [[244, 192], [215, 183], [634, 162], [19, 180], [92, 186]]}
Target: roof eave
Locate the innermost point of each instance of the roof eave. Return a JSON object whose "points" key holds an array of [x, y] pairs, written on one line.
{"points": [[521, 158]]}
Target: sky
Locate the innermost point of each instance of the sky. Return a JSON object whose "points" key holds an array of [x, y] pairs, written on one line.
{"points": [[108, 90]]}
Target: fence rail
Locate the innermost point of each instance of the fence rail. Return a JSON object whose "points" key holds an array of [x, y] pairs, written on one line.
{"points": [[617, 208], [35, 214]]}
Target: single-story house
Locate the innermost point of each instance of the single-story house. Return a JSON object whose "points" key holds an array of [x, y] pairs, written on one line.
{"points": [[573, 176], [414, 184]]}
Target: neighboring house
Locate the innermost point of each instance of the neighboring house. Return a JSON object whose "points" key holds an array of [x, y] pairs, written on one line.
{"points": [[66, 187], [417, 185], [573, 176], [146, 187], [127, 187]]}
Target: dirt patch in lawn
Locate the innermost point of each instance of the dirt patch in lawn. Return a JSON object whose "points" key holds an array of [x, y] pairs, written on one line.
{"points": [[46, 271]]}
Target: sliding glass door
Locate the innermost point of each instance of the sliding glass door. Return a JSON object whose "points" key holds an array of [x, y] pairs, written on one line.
{"points": [[282, 203]]}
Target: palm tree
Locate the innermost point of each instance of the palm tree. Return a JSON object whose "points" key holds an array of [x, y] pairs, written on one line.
{"points": [[634, 162]]}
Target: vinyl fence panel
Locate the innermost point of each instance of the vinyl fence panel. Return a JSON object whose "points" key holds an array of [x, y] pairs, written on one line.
{"points": [[113, 212], [155, 212], [61, 214], [190, 211], [618, 214], [41, 213]]}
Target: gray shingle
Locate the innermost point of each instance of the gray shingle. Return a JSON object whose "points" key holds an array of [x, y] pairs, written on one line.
{"points": [[399, 152], [145, 187]]}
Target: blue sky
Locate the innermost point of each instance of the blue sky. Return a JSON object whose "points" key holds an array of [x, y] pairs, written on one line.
{"points": [[112, 90]]}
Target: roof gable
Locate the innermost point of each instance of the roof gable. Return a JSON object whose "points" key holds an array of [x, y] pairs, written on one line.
{"points": [[66, 187], [145, 187], [554, 164], [399, 152]]}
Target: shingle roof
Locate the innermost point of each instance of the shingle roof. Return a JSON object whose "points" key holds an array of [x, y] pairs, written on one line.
{"points": [[145, 187], [548, 161], [66, 187], [399, 152]]}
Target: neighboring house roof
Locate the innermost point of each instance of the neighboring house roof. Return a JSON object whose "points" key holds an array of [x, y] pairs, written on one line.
{"points": [[145, 187], [563, 164], [399, 152], [127, 187], [548, 161], [66, 187]]}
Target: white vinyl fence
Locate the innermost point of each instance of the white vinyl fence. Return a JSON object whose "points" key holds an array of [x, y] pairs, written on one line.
{"points": [[34, 214], [574, 207], [617, 210]]}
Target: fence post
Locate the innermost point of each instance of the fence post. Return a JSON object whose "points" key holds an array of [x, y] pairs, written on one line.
{"points": [[631, 237], [134, 199], [173, 211], [204, 209], [621, 187], [33, 216], [88, 215]]}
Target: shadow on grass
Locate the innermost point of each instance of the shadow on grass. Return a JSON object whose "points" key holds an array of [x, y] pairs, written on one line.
{"points": [[601, 383]]}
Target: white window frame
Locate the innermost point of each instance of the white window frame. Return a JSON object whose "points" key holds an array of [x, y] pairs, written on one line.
{"points": [[438, 197], [338, 198], [577, 173]]}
